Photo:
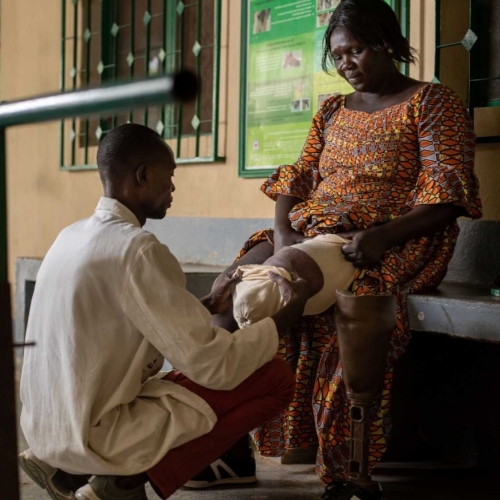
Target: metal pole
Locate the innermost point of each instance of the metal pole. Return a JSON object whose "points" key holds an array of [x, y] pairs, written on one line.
{"points": [[9, 478], [136, 94]]}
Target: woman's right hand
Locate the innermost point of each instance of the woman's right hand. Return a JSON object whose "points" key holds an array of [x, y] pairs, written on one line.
{"points": [[286, 237]]}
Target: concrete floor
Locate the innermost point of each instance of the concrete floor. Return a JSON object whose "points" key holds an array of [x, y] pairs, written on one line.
{"points": [[283, 482], [275, 482]]}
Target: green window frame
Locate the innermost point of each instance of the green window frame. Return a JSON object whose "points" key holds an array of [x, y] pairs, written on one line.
{"points": [[474, 40], [402, 10], [103, 27]]}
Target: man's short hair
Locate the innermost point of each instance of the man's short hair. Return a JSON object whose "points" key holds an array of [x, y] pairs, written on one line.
{"points": [[126, 147]]}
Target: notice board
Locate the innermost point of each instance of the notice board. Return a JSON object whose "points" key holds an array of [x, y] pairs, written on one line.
{"points": [[282, 82]]}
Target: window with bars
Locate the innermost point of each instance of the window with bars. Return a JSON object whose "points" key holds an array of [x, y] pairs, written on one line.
{"points": [[402, 10], [467, 59], [115, 40]]}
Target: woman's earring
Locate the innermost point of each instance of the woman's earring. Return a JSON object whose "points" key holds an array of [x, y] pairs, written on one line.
{"points": [[390, 51]]}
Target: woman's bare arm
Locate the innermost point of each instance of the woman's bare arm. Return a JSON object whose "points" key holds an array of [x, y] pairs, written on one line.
{"points": [[368, 245], [284, 234]]}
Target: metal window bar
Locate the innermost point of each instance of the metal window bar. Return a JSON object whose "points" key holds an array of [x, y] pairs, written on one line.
{"points": [[108, 64], [402, 10], [167, 126], [87, 81], [163, 59], [39, 109], [147, 22], [197, 116], [468, 41], [115, 53], [74, 74], [172, 56], [404, 15], [180, 11], [131, 48]]}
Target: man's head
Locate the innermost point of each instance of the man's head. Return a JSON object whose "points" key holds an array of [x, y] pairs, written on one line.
{"points": [[136, 168]]}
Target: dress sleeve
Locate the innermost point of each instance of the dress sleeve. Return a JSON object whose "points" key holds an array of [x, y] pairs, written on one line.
{"points": [[302, 178], [446, 144]]}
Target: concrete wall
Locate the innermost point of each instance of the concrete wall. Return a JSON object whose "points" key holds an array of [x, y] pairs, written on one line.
{"points": [[42, 200]]}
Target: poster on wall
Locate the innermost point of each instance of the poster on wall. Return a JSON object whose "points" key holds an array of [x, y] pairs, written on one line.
{"points": [[283, 84]]}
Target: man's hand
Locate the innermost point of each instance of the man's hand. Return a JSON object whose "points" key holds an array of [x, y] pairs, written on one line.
{"points": [[295, 294], [220, 299], [366, 248], [296, 291]]}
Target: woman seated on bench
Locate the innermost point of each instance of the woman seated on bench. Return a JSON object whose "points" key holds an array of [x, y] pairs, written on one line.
{"points": [[389, 166]]}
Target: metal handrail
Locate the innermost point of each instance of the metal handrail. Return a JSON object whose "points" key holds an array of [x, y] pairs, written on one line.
{"points": [[135, 94]]}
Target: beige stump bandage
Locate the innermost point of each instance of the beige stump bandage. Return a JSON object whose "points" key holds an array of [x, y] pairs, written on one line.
{"points": [[257, 297]]}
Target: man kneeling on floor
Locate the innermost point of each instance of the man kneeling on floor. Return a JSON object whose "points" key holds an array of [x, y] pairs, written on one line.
{"points": [[110, 304]]}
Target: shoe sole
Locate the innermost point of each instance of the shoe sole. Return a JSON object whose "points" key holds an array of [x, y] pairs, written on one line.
{"points": [[199, 485], [40, 478], [86, 495]]}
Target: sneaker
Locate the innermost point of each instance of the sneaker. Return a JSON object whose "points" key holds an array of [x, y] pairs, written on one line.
{"points": [[59, 484], [225, 470], [347, 490], [105, 488]]}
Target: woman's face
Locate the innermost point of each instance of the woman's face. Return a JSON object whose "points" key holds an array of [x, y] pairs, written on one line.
{"points": [[365, 69]]}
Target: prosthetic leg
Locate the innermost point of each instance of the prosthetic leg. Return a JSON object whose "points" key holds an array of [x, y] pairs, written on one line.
{"points": [[364, 326]]}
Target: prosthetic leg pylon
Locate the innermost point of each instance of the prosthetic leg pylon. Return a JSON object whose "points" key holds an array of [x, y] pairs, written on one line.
{"points": [[364, 326]]}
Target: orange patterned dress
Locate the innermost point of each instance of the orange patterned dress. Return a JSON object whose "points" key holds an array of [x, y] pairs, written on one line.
{"points": [[356, 170]]}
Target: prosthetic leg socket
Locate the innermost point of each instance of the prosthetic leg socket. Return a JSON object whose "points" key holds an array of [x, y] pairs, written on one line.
{"points": [[364, 327]]}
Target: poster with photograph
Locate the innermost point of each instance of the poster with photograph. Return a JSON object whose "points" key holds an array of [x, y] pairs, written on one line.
{"points": [[283, 83]]}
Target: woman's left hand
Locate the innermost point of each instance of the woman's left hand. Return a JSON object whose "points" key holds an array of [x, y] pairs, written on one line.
{"points": [[366, 248], [219, 300]]}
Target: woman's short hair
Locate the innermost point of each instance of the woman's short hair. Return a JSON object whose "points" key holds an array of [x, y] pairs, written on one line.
{"points": [[374, 24]]}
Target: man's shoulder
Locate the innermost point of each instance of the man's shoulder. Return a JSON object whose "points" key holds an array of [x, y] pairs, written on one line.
{"points": [[131, 240], [117, 236]]}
